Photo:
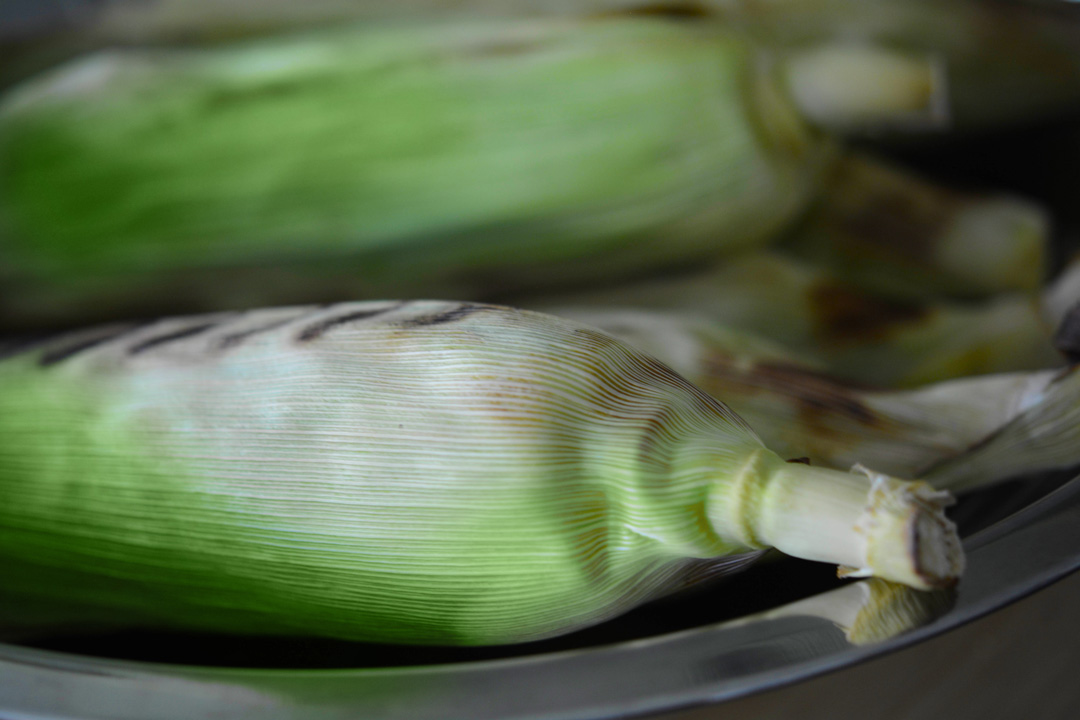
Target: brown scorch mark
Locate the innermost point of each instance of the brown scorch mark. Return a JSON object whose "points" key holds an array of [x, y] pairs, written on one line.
{"points": [[676, 11], [238, 338], [159, 340], [82, 343], [819, 398], [893, 220], [844, 314], [448, 316], [317, 329]]}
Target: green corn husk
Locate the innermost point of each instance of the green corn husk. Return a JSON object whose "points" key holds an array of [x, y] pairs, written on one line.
{"points": [[958, 435], [454, 159], [424, 472], [898, 235], [850, 333]]}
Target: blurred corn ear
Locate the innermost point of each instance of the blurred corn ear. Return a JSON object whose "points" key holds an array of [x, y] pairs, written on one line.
{"points": [[393, 159], [423, 472]]}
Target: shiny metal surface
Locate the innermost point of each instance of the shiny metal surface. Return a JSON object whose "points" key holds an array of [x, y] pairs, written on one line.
{"points": [[1007, 560]]}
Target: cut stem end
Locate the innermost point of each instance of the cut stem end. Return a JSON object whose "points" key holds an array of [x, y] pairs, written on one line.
{"points": [[869, 523]]}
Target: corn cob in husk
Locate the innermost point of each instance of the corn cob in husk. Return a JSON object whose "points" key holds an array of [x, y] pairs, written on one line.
{"points": [[851, 333], [449, 158], [957, 435], [402, 472]]}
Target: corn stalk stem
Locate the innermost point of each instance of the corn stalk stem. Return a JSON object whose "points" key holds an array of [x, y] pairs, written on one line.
{"points": [[866, 521]]}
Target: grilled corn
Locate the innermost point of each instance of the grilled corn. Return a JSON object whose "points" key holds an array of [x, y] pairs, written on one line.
{"points": [[401, 472]]}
